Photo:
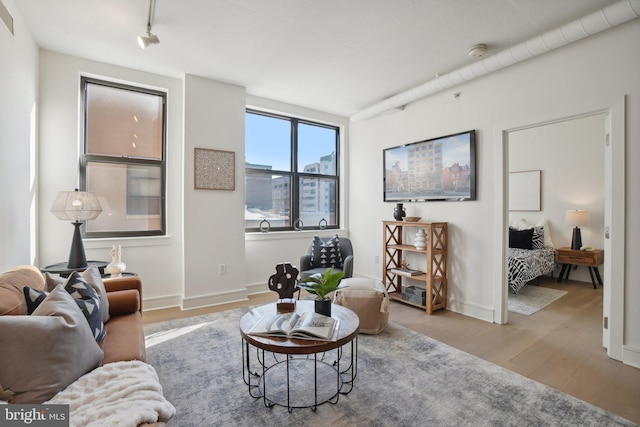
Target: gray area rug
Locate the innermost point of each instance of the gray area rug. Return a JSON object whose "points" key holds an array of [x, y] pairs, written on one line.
{"points": [[532, 298], [404, 379]]}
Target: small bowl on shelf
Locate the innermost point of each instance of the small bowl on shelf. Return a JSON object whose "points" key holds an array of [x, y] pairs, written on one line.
{"points": [[412, 218]]}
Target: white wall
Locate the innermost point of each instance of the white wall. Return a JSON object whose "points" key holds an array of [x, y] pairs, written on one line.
{"points": [[570, 155], [176, 271], [587, 76], [213, 219], [158, 260], [18, 156]]}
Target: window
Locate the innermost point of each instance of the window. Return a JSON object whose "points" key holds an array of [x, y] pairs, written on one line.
{"points": [[291, 173], [123, 159]]}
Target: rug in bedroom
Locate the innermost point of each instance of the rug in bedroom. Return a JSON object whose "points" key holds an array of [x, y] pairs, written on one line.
{"points": [[404, 379], [531, 298]]}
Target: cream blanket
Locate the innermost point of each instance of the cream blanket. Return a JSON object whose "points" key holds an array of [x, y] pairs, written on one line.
{"points": [[117, 394]]}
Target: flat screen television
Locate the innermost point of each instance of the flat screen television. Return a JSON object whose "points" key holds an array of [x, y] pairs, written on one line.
{"points": [[438, 169]]}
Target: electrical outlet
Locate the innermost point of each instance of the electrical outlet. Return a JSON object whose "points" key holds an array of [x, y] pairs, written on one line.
{"points": [[376, 259], [222, 269]]}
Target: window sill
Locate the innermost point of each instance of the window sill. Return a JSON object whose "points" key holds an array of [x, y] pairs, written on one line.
{"points": [[127, 242], [290, 235]]}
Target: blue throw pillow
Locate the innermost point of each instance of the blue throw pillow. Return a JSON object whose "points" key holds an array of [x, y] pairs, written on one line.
{"points": [[82, 293]]}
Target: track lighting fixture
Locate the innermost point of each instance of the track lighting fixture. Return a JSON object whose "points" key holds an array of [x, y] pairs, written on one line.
{"points": [[150, 39]]}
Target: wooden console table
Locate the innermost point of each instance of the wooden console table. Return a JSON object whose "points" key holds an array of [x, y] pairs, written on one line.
{"points": [[434, 279]]}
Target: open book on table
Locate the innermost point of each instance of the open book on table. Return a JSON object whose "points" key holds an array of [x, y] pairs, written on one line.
{"points": [[306, 326]]}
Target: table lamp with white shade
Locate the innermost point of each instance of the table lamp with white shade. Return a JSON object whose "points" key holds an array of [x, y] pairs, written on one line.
{"points": [[576, 218], [76, 206]]}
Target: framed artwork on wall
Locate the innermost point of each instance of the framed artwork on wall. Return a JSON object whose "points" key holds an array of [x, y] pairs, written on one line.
{"points": [[524, 190], [214, 169]]}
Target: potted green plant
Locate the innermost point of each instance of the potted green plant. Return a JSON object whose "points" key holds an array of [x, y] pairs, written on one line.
{"points": [[320, 285]]}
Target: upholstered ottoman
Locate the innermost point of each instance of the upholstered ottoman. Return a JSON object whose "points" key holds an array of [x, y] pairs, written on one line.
{"points": [[368, 298]]}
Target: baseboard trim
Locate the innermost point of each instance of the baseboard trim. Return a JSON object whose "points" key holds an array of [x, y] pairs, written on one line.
{"points": [[631, 356], [191, 303], [473, 310], [158, 303], [257, 288]]}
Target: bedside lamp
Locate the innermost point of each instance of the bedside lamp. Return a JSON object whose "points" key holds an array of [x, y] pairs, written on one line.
{"points": [[576, 218], [76, 206]]}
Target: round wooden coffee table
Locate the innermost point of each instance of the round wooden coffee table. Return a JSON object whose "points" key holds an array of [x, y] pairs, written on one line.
{"points": [[297, 373]]}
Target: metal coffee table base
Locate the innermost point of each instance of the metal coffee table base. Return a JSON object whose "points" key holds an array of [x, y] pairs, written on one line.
{"points": [[300, 381]]}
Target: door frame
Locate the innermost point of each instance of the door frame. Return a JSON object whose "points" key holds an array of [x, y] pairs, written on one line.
{"points": [[613, 295]]}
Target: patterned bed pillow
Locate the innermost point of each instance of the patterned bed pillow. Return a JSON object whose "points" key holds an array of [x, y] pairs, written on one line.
{"points": [[548, 241], [537, 241], [326, 254]]}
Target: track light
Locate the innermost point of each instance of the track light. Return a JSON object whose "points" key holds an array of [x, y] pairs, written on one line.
{"points": [[150, 39]]}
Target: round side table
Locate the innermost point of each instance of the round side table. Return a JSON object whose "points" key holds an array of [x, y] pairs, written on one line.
{"points": [[64, 271]]}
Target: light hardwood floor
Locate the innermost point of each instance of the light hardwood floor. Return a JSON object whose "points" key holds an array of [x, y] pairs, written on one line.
{"points": [[560, 345]]}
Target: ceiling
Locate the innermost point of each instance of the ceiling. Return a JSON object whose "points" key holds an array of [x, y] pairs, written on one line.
{"points": [[337, 56]]}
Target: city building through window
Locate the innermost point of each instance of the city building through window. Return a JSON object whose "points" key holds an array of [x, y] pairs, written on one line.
{"points": [[291, 173]]}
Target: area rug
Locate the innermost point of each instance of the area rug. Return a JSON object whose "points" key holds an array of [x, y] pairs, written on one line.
{"points": [[530, 299], [404, 379]]}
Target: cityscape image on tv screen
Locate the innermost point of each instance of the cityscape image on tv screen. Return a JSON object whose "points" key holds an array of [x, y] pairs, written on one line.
{"points": [[436, 169]]}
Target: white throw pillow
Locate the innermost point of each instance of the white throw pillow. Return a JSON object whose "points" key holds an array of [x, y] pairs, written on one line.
{"points": [[521, 224]]}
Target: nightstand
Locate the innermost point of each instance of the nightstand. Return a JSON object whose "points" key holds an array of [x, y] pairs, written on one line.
{"points": [[591, 259]]}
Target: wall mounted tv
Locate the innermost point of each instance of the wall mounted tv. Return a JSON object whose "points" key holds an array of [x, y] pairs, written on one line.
{"points": [[439, 169]]}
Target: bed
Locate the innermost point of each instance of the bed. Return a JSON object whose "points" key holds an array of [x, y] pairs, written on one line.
{"points": [[531, 255], [528, 264]]}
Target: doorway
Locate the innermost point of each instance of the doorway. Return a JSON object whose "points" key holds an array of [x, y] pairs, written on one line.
{"points": [[612, 224]]}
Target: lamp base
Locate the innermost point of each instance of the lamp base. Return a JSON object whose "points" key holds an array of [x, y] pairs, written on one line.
{"points": [[576, 241], [77, 258]]}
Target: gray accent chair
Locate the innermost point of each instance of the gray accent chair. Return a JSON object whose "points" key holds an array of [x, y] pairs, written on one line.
{"points": [[346, 250]]}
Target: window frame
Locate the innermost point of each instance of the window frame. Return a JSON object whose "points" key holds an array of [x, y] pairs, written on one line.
{"points": [[124, 160], [296, 177]]}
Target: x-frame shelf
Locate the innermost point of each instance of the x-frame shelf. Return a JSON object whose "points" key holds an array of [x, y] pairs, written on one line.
{"points": [[434, 279]]}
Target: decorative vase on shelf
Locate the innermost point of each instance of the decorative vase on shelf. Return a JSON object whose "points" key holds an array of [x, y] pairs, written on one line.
{"points": [[421, 239], [116, 267], [399, 212]]}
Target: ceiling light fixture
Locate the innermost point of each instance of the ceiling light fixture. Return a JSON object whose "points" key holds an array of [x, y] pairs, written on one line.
{"points": [[150, 39]]}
